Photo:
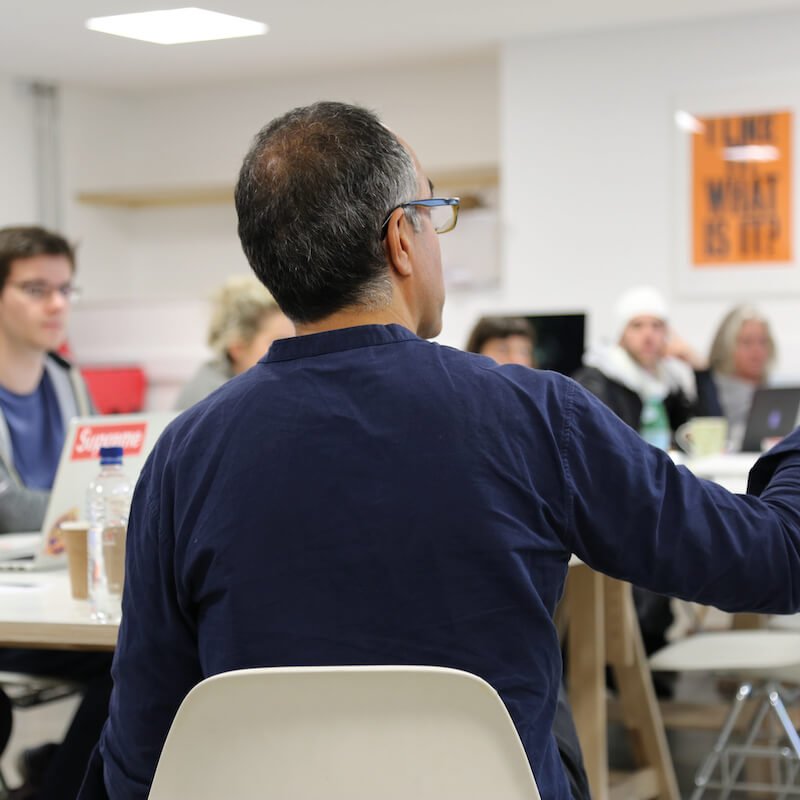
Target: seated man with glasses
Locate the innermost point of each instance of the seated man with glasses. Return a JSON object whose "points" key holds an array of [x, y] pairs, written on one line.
{"points": [[39, 393]]}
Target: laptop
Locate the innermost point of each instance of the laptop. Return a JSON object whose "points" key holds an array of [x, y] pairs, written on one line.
{"points": [[773, 414], [78, 465]]}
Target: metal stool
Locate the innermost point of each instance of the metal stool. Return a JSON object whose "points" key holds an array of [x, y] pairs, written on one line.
{"points": [[768, 664], [18, 690]]}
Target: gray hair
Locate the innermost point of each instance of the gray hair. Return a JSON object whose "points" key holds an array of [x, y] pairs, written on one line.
{"points": [[312, 195], [720, 358]]}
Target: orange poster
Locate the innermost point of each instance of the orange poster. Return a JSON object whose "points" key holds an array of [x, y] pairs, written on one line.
{"points": [[742, 190]]}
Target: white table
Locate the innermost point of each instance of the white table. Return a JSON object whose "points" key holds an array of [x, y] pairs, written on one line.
{"points": [[37, 610], [727, 469]]}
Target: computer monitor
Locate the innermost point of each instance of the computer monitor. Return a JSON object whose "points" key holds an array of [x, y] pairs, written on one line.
{"points": [[559, 340]]}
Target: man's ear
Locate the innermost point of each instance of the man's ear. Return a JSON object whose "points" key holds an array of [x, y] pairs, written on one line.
{"points": [[399, 243]]}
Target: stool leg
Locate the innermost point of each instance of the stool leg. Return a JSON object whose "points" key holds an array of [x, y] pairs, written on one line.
{"points": [[778, 705], [783, 715], [752, 733], [791, 774], [708, 766]]}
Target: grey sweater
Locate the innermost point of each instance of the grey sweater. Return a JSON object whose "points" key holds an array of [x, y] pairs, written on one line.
{"points": [[23, 509], [208, 378]]}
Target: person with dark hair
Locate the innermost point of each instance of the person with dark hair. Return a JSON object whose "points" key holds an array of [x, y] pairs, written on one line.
{"points": [[506, 340], [364, 496], [39, 393]]}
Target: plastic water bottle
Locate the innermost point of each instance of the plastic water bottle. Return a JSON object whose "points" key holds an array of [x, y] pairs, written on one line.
{"points": [[108, 502], [654, 424]]}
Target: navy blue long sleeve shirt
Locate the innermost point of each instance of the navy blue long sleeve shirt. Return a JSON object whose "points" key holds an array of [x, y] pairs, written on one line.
{"points": [[363, 496]]}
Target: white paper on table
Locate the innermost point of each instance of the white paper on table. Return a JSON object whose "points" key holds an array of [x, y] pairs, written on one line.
{"points": [[14, 587]]}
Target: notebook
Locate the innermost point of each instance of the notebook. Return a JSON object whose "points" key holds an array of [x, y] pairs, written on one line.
{"points": [[773, 415], [77, 467]]}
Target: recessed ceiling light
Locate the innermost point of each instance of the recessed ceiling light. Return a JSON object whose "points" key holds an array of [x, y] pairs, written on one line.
{"points": [[177, 26]]}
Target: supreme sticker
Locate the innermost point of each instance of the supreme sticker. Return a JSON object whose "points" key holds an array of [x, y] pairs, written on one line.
{"points": [[90, 438]]}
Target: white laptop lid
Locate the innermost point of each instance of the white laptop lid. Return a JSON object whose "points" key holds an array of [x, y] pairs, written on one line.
{"points": [[80, 463]]}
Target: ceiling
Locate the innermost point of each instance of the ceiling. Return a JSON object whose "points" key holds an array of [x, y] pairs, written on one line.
{"points": [[46, 39]]}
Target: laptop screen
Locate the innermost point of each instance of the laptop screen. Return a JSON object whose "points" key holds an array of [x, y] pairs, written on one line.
{"points": [[559, 341], [80, 458], [773, 415]]}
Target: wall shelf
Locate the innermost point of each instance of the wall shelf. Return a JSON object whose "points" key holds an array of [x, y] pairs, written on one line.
{"points": [[158, 198], [468, 181]]}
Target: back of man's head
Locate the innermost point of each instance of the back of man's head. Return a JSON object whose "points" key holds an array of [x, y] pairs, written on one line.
{"points": [[28, 241], [311, 197]]}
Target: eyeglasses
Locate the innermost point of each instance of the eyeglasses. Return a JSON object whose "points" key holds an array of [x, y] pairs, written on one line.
{"points": [[443, 211], [41, 291]]}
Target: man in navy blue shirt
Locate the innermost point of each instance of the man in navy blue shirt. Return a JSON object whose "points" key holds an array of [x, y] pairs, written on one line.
{"points": [[363, 496]]}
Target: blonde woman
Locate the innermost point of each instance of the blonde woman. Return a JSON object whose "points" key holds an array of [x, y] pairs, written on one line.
{"points": [[742, 356], [245, 321]]}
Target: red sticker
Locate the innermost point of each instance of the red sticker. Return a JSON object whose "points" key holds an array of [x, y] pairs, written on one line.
{"points": [[90, 438]]}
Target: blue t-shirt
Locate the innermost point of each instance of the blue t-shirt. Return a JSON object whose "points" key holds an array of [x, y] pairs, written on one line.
{"points": [[37, 432]]}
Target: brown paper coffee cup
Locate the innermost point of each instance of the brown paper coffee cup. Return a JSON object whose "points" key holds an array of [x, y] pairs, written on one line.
{"points": [[75, 535]]}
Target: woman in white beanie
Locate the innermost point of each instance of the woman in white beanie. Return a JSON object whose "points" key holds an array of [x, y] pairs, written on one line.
{"points": [[650, 385], [642, 381]]}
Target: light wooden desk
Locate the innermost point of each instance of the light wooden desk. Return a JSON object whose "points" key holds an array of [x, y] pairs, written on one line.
{"points": [[37, 610], [603, 630]]}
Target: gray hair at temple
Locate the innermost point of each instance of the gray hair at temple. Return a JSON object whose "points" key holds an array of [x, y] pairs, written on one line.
{"points": [[721, 356], [312, 195]]}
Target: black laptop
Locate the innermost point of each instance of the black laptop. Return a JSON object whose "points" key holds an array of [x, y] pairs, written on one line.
{"points": [[773, 414]]}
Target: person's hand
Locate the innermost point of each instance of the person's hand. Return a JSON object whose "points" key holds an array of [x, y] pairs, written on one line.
{"points": [[678, 347]]}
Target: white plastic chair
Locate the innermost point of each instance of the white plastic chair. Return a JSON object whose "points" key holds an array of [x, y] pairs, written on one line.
{"points": [[767, 662], [343, 733]]}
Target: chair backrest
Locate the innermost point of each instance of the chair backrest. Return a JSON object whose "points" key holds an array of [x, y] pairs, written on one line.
{"points": [[343, 733]]}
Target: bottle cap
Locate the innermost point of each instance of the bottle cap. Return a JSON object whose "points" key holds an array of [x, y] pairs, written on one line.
{"points": [[110, 455]]}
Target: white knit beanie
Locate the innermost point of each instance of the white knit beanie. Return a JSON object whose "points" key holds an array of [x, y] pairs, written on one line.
{"points": [[642, 301]]}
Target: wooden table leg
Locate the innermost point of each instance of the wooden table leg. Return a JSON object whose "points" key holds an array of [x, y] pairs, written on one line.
{"points": [[640, 710], [586, 676]]}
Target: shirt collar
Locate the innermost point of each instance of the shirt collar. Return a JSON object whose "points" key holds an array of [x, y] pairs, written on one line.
{"points": [[318, 344]]}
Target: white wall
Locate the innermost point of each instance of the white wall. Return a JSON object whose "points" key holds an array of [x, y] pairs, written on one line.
{"points": [[18, 184], [147, 273], [581, 125], [589, 164]]}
